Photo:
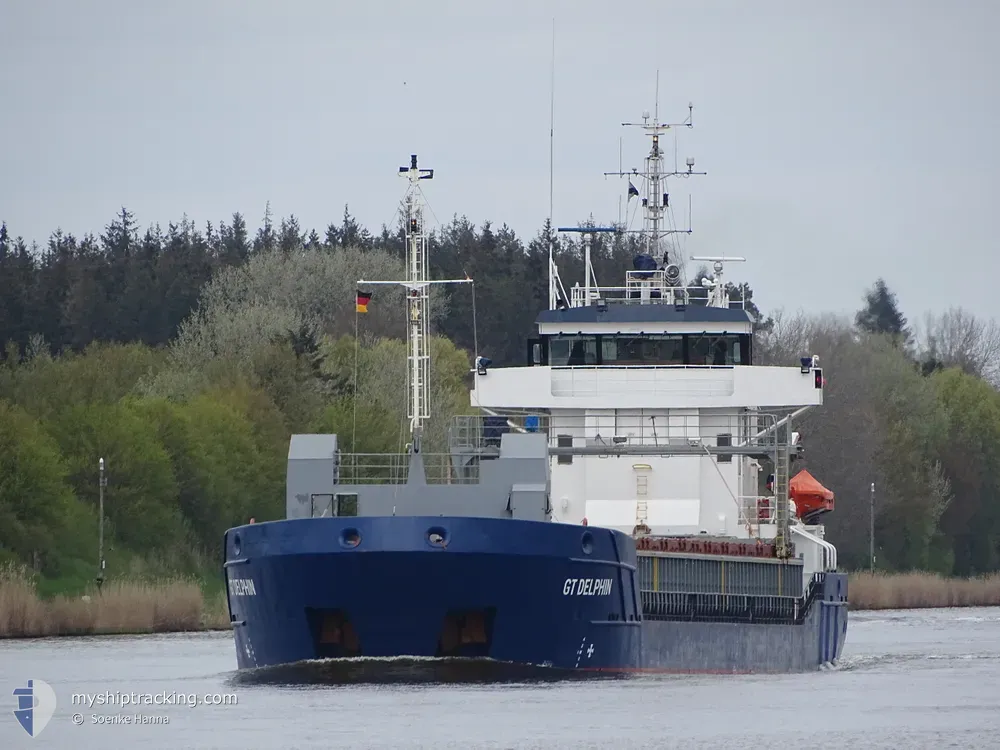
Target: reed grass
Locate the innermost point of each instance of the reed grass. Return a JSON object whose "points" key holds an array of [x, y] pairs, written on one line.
{"points": [[121, 607], [921, 590]]}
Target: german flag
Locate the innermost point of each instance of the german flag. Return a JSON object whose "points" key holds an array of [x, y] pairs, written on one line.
{"points": [[363, 300]]}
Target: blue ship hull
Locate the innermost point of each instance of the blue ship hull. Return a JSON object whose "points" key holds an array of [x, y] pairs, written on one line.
{"points": [[537, 594]]}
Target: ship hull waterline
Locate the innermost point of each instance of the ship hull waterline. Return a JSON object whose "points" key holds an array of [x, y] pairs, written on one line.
{"points": [[427, 596]]}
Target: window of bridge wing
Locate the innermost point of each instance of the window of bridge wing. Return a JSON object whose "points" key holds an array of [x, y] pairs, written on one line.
{"points": [[642, 350], [718, 349], [572, 350]]}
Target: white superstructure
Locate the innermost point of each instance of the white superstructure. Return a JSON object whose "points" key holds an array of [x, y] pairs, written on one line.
{"points": [[645, 387]]}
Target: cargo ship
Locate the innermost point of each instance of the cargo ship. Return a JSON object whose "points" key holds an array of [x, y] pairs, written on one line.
{"points": [[622, 502]]}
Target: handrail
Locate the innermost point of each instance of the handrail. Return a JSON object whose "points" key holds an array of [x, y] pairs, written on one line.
{"points": [[646, 367], [829, 551], [650, 287]]}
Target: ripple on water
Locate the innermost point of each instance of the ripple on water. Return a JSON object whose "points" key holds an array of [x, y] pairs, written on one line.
{"points": [[924, 679]]}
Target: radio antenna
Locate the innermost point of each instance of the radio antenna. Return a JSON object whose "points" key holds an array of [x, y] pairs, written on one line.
{"points": [[552, 119], [557, 293]]}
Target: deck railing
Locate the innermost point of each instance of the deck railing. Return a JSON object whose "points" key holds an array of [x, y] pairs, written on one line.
{"points": [[393, 468], [648, 287], [626, 428], [757, 509]]}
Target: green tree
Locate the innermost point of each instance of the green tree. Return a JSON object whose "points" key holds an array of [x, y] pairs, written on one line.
{"points": [[103, 373], [235, 243], [141, 499], [17, 272], [971, 457], [40, 521], [881, 314], [219, 468], [378, 366]]}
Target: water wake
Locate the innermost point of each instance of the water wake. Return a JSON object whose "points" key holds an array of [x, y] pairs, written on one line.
{"points": [[406, 670]]}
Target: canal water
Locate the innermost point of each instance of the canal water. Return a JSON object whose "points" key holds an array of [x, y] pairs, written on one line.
{"points": [[909, 679]]}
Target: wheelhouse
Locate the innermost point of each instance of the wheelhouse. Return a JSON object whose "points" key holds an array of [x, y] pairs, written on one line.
{"points": [[642, 335]]}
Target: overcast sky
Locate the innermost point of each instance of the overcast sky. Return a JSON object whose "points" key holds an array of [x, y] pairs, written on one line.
{"points": [[842, 140]]}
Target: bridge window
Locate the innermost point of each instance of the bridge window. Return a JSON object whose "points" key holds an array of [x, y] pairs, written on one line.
{"points": [[572, 350], [713, 349], [716, 349], [642, 350]]}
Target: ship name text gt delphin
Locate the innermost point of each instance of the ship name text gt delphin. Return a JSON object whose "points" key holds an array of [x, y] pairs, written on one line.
{"points": [[622, 502]]}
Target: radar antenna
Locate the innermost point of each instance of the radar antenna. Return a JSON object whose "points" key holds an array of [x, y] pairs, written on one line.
{"points": [[719, 297], [417, 303]]}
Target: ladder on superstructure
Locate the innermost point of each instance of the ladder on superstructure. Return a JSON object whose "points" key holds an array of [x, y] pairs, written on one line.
{"points": [[782, 469]]}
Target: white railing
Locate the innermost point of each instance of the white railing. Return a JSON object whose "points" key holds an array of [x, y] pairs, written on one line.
{"points": [[757, 509], [648, 287], [827, 557], [617, 428]]}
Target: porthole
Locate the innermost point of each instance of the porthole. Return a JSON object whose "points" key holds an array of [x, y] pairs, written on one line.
{"points": [[437, 536]]}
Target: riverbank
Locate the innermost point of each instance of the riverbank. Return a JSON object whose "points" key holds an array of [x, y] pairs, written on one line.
{"points": [[921, 591], [133, 607], [122, 607]]}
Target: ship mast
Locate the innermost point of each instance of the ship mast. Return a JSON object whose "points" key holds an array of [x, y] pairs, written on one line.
{"points": [[417, 304], [655, 201], [417, 299]]}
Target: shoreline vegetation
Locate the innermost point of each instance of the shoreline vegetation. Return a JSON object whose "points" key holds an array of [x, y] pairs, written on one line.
{"points": [[123, 607], [920, 590], [133, 607]]}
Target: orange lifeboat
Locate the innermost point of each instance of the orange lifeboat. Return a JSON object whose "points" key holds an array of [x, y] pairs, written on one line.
{"points": [[811, 498]]}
